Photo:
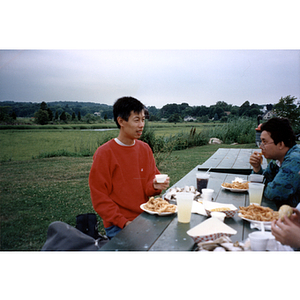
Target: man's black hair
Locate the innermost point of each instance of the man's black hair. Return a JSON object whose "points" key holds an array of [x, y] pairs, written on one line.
{"points": [[124, 106], [281, 131]]}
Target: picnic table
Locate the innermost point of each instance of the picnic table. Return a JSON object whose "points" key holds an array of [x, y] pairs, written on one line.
{"points": [[231, 160], [164, 233]]}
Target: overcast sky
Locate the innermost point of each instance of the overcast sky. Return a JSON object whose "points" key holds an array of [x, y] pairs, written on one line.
{"points": [[161, 68], [156, 77]]}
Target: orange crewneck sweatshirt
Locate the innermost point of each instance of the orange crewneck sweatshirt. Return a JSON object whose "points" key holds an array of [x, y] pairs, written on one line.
{"points": [[121, 179]]}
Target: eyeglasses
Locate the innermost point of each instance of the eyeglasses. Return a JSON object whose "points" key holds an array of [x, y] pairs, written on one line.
{"points": [[263, 144]]}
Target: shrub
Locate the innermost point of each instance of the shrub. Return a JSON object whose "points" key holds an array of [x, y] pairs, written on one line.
{"points": [[163, 146], [238, 130]]}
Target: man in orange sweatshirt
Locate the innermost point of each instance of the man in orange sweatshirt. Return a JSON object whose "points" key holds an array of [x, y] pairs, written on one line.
{"points": [[122, 176]]}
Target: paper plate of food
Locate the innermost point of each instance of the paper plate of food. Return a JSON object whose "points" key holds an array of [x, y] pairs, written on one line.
{"points": [[158, 206], [238, 185], [174, 191], [258, 215]]}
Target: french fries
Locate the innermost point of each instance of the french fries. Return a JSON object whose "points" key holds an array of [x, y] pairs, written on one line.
{"points": [[258, 213], [159, 205], [220, 209], [236, 185]]}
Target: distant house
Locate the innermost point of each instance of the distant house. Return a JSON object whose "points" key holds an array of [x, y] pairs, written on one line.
{"points": [[268, 115], [97, 113]]}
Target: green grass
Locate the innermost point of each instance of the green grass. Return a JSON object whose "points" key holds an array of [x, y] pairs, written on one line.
{"points": [[27, 144], [58, 126], [16, 145], [165, 129], [36, 192]]}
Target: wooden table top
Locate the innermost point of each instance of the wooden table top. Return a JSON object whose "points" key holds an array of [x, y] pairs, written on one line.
{"points": [[231, 160], [164, 233]]}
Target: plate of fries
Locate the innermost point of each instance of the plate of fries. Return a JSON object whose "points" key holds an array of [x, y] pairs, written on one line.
{"points": [[158, 206], [237, 186], [258, 214]]}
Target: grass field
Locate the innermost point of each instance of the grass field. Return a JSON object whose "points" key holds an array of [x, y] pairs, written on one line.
{"points": [[36, 192], [26, 144]]}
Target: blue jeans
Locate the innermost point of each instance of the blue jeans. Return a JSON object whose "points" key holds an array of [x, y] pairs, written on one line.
{"points": [[111, 231]]}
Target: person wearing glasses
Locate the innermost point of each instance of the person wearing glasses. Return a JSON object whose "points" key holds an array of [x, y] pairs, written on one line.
{"points": [[282, 178]]}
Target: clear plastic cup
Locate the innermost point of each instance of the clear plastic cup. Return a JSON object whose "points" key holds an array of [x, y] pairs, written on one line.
{"points": [[184, 206], [202, 181], [255, 192]]}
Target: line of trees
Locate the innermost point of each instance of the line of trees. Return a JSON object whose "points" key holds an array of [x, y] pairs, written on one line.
{"points": [[219, 111], [71, 111], [45, 115], [28, 109]]}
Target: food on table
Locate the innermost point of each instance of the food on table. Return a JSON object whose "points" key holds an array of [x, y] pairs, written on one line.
{"points": [[285, 210], [220, 209], [260, 156], [258, 213], [228, 209], [172, 192], [236, 185], [159, 205]]}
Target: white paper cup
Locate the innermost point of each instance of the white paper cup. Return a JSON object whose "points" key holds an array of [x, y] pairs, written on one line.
{"points": [[184, 206], [218, 214], [207, 194], [259, 241], [256, 178], [255, 192], [161, 178]]}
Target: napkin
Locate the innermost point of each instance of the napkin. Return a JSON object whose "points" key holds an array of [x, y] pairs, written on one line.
{"points": [[223, 243], [209, 227], [198, 208], [258, 226]]}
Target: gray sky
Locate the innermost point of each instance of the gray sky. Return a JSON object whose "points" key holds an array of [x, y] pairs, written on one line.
{"points": [[156, 77], [152, 57]]}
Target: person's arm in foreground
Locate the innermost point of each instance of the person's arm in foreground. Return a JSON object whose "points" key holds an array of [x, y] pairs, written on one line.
{"points": [[287, 232]]}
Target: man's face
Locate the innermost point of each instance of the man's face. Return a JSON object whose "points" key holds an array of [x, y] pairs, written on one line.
{"points": [[269, 149], [133, 128]]}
